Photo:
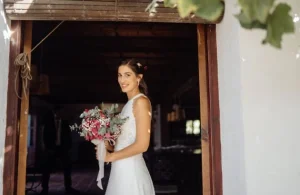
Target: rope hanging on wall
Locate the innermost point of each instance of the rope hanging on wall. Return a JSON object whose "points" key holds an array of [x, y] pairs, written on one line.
{"points": [[22, 61]]}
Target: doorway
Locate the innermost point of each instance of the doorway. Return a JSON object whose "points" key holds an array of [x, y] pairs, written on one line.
{"points": [[174, 55]]}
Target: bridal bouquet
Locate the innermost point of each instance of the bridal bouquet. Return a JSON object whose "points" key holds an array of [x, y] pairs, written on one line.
{"points": [[99, 126]]}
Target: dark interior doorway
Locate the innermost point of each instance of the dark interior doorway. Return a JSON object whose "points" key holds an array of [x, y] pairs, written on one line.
{"points": [[75, 68]]}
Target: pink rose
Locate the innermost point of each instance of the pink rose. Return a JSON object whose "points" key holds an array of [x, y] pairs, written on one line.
{"points": [[107, 135]]}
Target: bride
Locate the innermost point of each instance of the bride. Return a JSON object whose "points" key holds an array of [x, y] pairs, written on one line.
{"points": [[129, 174]]}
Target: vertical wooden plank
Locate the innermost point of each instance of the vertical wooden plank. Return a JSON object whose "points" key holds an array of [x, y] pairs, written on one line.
{"points": [[214, 110], [209, 108], [204, 111], [24, 118], [12, 113]]}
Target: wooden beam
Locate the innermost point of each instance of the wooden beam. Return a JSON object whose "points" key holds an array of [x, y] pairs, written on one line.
{"points": [[24, 118], [112, 44], [140, 40], [120, 29], [209, 109], [214, 111], [109, 10], [12, 114], [204, 110]]}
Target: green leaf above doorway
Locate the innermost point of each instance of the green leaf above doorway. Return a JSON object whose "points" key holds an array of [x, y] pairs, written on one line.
{"points": [[273, 18]]}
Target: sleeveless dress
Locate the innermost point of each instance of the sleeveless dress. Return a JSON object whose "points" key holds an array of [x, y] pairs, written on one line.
{"points": [[129, 176]]}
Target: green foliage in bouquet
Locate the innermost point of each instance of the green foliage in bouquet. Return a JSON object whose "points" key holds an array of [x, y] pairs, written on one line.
{"points": [[97, 122]]}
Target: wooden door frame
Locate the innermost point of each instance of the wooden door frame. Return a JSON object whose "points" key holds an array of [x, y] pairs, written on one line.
{"points": [[12, 114], [209, 109]]}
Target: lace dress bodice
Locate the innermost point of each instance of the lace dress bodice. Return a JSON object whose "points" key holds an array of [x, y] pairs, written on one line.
{"points": [[128, 132]]}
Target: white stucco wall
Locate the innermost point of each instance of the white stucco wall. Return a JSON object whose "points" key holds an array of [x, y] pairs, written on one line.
{"points": [[259, 104], [4, 53]]}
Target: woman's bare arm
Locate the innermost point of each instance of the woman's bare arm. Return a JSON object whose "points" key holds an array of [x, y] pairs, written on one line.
{"points": [[142, 113]]}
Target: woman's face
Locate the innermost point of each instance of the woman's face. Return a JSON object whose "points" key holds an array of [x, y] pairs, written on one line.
{"points": [[127, 79]]}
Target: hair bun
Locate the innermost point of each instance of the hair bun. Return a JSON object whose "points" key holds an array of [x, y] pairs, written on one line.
{"points": [[141, 69]]}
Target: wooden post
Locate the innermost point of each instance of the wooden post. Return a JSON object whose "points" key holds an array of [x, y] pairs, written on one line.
{"points": [[205, 143], [209, 109], [24, 118], [214, 111], [12, 114]]}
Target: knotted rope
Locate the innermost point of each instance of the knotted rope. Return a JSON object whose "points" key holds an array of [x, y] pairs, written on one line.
{"points": [[22, 61]]}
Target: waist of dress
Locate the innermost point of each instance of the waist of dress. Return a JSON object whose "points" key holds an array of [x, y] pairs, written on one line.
{"points": [[137, 157], [121, 146]]}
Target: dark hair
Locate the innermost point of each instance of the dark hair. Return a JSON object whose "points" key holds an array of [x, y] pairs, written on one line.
{"points": [[137, 68]]}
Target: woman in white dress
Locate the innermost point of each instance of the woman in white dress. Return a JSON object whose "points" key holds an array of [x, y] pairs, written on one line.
{"points": [[129, 174]]}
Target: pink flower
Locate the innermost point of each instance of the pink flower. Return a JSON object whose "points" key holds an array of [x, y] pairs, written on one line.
{"points": [[102, 115], [87, 137]]}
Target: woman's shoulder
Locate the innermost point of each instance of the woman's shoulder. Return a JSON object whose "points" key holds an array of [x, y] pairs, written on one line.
{"points": [[142, 102]]}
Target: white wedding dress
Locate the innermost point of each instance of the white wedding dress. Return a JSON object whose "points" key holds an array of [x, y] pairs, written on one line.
{"points": [[129, 176]]}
